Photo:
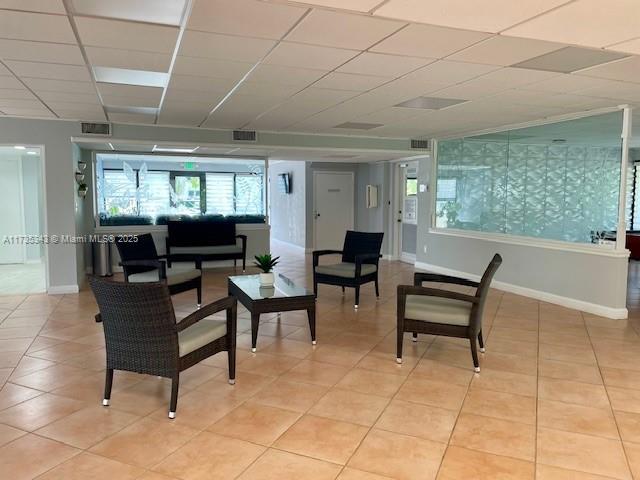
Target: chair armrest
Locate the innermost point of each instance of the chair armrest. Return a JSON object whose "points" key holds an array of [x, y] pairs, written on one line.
{"points": [[318, 253], [364, 258], [404, 290], [159, 264], [215, 307], [420, 277]]}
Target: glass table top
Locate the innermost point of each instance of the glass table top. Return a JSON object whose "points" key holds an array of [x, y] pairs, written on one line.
{"points": [[283, 287]]}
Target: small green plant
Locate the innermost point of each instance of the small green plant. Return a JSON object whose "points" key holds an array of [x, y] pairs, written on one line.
{"points": [[266, 262]]}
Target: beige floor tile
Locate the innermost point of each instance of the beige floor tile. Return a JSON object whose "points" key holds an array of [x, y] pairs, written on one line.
{"points": [[266, 364], [9, 434], [86, 427], [277, 465], [507, 382], [566, 353], [509, 363], [424, 421], [463, 464], [633, 455], [398, 456], [628, 425], [52, 377], [429, 392], [322, 438], [87, 465], [624, 399], [298, 397], [354, 474], [616, 377], [573, 392], [145, 442], [545, 472], [30, 455], [585, 453], [11, 394], [577, 418], [255, 423], [512, 347], [350, 406], [317, 373], [501, 333], [517, 408], [209, 457], [569, 371], [39, 411], [336, 355], [369, 382], [492, 435], [442, 372]]}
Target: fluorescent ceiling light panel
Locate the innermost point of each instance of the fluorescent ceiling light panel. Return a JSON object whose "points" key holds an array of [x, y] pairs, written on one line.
{"points": [[20, 147], [341, 157], [140, 110], [359, 125], [160, 148], [131, 77], [168, 12], [430, 103], [570, 59]]}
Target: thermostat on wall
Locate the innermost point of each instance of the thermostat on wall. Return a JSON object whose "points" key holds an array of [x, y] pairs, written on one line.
{"points": [[423, 188]]}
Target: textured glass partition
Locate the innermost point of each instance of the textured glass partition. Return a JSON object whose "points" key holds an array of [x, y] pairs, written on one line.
{"points": [[557, 181]]}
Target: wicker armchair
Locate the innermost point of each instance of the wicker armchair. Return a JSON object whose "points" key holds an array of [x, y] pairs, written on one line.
{"points": [[141, 264], [444, 312], [360, 256], [142, 335]]}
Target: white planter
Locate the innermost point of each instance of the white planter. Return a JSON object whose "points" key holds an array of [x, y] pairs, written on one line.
{"points": [[267, 279]]}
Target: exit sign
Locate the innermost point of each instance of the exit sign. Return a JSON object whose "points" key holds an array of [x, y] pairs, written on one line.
{"points": [[189, 166]]}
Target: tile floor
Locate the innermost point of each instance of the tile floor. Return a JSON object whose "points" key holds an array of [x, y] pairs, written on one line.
{"points": [[22, 278], [558, 396]]}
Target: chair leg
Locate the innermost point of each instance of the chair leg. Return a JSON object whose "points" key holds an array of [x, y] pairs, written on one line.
{"points": [[315, 287], [199, 291], [244, 261], [342, 291], [415, 337], [474, 354], [235, 263], [377, 289], [232, 365], [108, 382], [400, 338], [481, 341], [174, 396], [357, 297]]}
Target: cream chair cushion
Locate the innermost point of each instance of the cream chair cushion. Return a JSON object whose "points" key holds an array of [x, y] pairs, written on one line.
{"points": [[175, 275], [345, 270], [199, 334], [437, 310]]}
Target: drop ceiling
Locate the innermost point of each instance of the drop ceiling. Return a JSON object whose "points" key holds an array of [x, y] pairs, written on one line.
{"points": [[316, 66]]}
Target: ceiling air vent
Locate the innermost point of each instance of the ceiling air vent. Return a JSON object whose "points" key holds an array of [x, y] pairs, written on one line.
{"points": [[421, 144], [245, 136], [102, 129]]}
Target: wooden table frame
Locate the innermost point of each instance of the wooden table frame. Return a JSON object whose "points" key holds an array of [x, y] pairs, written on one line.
{"points": [[274, 305]]}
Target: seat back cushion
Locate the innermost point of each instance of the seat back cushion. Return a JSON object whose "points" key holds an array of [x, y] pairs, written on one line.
{"points": [[357, 243], [201, 233], [142, 249]]}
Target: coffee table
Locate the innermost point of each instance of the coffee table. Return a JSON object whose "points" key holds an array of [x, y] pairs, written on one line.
{"points": [[284, 296]]}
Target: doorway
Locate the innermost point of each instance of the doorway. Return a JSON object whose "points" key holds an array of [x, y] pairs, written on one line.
{"points": [[333, 208], [22, 262], [407, 211]]}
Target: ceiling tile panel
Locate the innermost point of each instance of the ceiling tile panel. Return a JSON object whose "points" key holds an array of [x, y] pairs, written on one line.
{"points": [[567, 83], [75, 97], [267, 90], [632, 46], [130, 59], [48, 85], [209, 67], [15, 93], [40, 52], [444, 71], [21, 103], [592, 23], [132, 118], [54, 71], [224, 47], [382, 65], [176, 95], [570, 59], [619, 91], [251, 18], [201, 84], [509, 77], [486, 16], [43, 6], [168, 12], [428, 41], [289, 54], [355, 5], [342, 30], [285, 75], [28, 112], [502, 50], [100, 32], [36, 26], [627, 69], [350, 81]]}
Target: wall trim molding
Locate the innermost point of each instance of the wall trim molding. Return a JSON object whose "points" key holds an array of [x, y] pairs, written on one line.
{"points": [[596, 309], [408, 257], [63, 289]]}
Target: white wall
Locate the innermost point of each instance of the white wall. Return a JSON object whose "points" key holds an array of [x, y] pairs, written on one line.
{"points": [[287, 212], [31, 189]]}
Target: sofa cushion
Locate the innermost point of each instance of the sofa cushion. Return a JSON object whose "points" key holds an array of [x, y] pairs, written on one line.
{"points": [[437, 310], [200, 334], [175, 275], [219, 249], [345, 270]]}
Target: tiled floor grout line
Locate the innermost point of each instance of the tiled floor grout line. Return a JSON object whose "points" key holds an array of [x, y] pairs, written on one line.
{"points": [[535, 445]]}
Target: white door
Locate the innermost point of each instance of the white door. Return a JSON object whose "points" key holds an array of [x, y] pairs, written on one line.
{"points": [[11, 210], [332, 208], [407, 220]]}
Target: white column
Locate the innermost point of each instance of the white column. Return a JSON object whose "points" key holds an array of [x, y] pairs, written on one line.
{"points": [[621, 233]]}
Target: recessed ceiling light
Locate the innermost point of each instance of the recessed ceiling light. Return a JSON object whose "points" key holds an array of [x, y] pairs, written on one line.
{"points": [[126, 76], [431, 103], [359, 125], [157, 148], [20, 147], [570, 59]]}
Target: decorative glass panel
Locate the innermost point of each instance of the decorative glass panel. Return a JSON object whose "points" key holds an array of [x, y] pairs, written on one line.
{"points": [[220, 188]]}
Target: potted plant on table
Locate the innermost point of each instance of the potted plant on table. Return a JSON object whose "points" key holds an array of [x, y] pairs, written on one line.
{"points": [[266, 263]]}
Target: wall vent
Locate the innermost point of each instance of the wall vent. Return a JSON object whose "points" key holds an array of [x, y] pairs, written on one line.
{"points": [[245, 136], [101, 129], [421, 144]]}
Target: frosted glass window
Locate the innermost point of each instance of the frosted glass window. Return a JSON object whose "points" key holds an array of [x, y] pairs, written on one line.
{"points": [[558, 181], [155, 193], [249, 196], [220, 187]]}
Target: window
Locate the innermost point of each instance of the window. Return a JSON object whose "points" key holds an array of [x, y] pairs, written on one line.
{"points": [[155, 193], [119, 193], [411, 187], [248, 194], [220, 187]]}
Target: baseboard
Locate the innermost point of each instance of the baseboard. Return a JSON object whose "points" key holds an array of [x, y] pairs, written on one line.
{"points": [[63, 289], [33, 262], [408, 257], [389, 257], [593, 308]]}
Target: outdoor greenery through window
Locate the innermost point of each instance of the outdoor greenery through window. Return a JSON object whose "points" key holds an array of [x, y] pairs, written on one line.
{"points": [[151, 189]]}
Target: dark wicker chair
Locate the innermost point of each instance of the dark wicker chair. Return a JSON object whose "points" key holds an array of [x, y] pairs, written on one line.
{"points": [[444, 312], [141, 333], [360, 256], [141, 264]]}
